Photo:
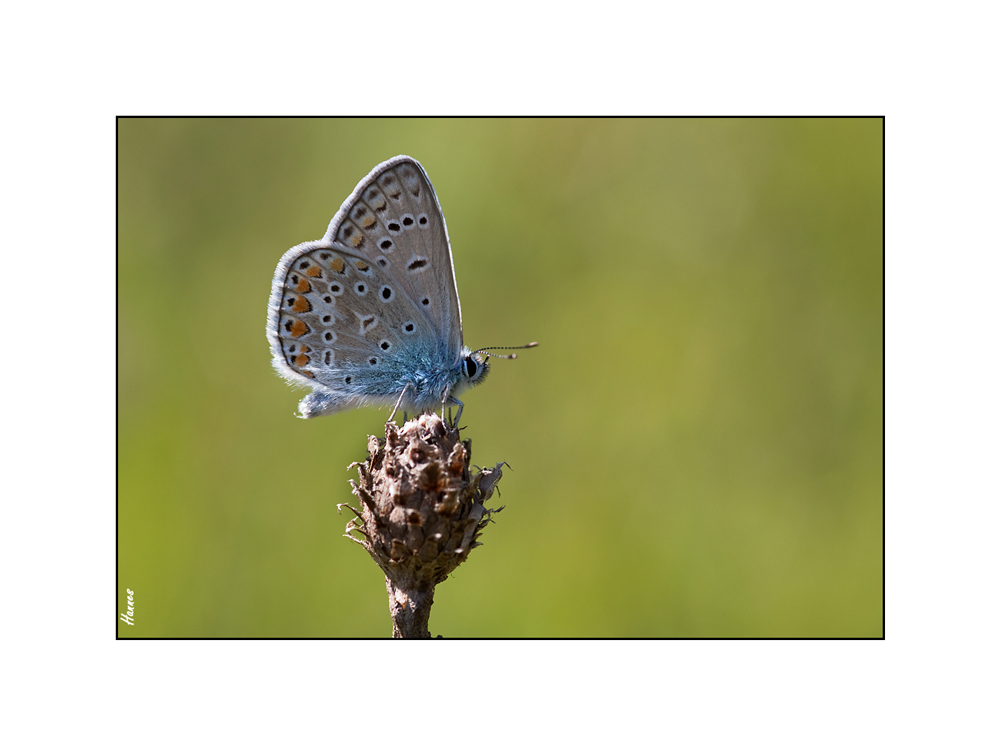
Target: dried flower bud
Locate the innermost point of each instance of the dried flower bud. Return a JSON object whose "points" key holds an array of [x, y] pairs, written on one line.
{"points": [[421, 512]]}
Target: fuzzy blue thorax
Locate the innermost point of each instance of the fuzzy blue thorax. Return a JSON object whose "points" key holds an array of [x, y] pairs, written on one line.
{"points": [[426, 388]]}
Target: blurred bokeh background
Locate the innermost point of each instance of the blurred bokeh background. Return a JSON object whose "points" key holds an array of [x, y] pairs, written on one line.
{"points": [[696, 447]]}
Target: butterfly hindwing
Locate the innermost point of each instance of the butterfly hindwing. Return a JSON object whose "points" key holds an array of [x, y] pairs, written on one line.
{"points": [[344, 323]]}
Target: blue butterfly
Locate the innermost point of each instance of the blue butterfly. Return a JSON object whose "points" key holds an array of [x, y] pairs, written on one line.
{"points": [[369, 314]]}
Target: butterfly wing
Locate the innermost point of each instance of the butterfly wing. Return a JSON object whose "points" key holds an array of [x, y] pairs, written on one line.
{"points": [[357, 314]]}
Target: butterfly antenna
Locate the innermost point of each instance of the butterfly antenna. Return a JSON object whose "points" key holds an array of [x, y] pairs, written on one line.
{"points": [[486, 350]]}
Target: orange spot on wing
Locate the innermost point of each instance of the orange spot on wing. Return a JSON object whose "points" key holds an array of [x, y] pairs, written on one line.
{"points": [[313, 272], [365, 217], [337, 264], [301, 360], [301, 304], [304, 287], [299, 329], [360, 265]]}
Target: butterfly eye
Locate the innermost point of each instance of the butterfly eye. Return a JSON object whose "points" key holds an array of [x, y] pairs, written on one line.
{"points": [[471, 367]]}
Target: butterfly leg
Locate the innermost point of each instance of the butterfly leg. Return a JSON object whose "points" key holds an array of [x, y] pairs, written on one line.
{"points": [[400, 401], [458, 416]]}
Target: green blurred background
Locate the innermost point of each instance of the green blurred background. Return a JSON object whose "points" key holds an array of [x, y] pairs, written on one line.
{"points": [[696, 446]]}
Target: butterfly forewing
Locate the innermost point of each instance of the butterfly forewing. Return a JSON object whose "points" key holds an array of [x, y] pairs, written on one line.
{"points": [[393, 221]]}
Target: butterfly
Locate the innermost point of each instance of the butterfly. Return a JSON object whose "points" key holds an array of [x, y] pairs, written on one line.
{"points": [[369, 314]]}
